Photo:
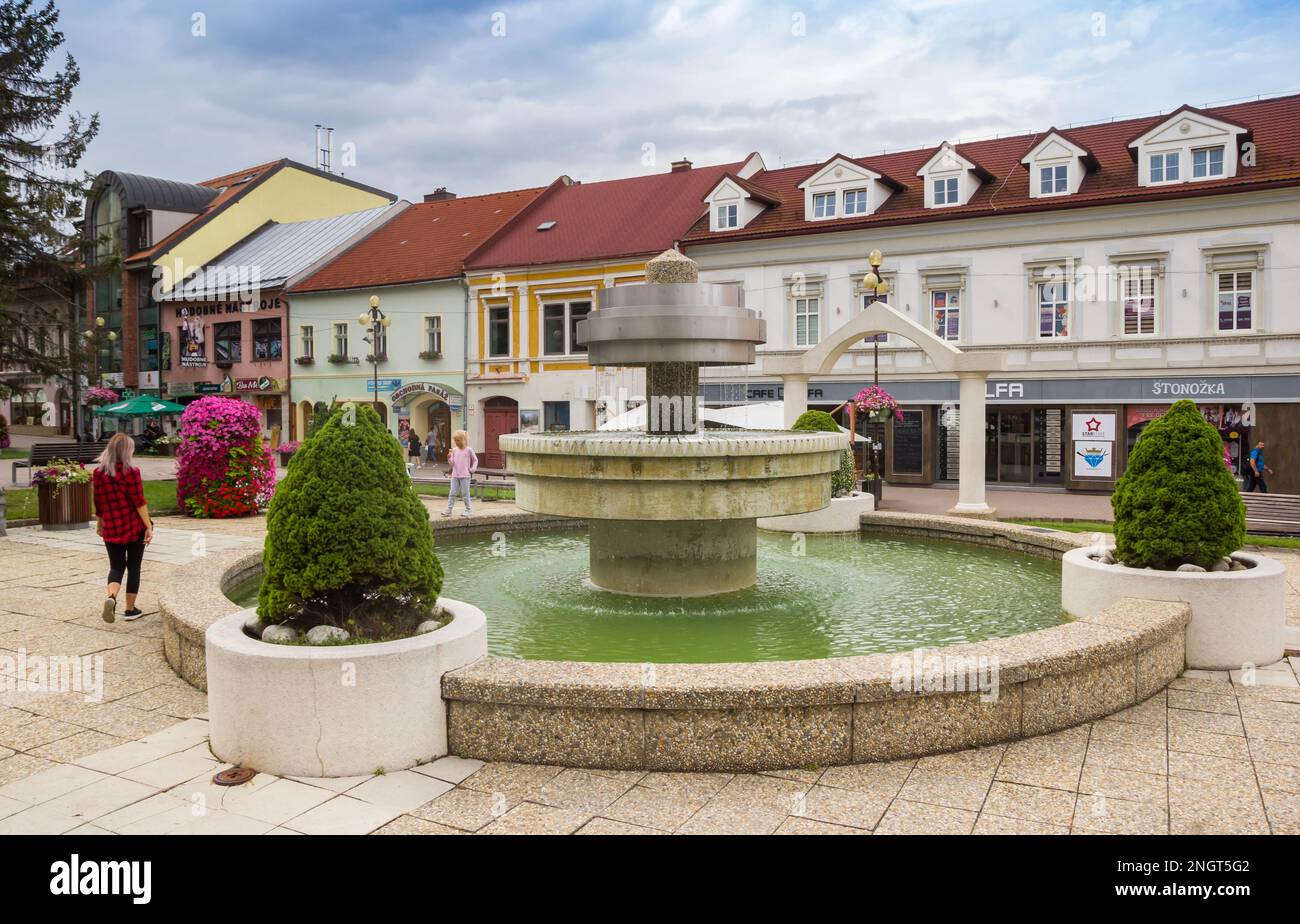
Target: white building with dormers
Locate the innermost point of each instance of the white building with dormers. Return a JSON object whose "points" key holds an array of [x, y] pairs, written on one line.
{"points": [[1114, 268]]}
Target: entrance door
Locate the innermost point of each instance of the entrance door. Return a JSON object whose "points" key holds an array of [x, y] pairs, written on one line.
{"points": [[439, 424], [1015, 446], [500, 418]]}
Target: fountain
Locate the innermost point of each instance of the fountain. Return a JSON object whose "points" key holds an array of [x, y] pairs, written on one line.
{"points": [[672, 510]]}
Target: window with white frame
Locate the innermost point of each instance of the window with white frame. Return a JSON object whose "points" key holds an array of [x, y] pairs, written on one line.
{"points": [[341, 339], [307, 341], [855, 202], [1236, 300], [728, 216], [1164, 167], [1053, 310], [560, 327], [1053, 180], [498, 330], [945, 191], [807, 320], [1138, 290], [945, 313], [1207, 162], [433, 334], [824, 205]]}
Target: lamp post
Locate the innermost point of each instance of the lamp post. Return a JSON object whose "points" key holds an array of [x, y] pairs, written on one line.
{"points": [[876, 289], [90, 335], [378, 322]]}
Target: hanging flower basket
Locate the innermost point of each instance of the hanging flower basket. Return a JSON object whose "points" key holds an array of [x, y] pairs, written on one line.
{"points": [[877, 404]]}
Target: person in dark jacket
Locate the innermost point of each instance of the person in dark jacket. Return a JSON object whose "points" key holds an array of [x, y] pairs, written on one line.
{"points": [[122, 521]]}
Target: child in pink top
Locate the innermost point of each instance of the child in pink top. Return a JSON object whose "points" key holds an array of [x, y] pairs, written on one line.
{"points": [[464, 463]]}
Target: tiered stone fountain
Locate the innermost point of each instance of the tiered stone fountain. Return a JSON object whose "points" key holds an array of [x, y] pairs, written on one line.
{"points": [[672, 511]]}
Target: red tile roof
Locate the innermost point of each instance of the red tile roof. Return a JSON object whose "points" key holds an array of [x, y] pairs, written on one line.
{"points": [[1272, 123], [611, 219], [427, 241]]}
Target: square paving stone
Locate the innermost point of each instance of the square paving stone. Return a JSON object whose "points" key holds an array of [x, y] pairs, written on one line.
{"points": [[807, 826], [171, 770], [1216, 723], [943, 788], [969, 762], [531, 818], [580, 790], [50, 784], [1200, 742], [1278, 777], [343, 815], [99, 798], [734, 817], [464, 809], [884, 779], [1201, 807], [693, 784], [37, 819], [1126, 757], [1283, 811], [1210, 769], [765, 792], [904, 817], [998, 824], [402, 790], [1128, 785], [607, 826], [1102, 814], [1261, 749], [664, 809], [1030, 803], [451, 769], [516, 781], [843, 807], [409, 824], [1203, 702]]}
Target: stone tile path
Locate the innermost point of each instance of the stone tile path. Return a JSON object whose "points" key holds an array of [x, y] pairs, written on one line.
{"points": [[1215, 753]]}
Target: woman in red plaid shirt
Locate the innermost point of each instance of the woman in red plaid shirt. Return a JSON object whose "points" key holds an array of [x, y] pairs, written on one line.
{"points": [[122, 520]]}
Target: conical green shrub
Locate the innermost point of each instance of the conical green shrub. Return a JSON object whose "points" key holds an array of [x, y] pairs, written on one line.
{"points": [[1177, 503], [347, 539]]}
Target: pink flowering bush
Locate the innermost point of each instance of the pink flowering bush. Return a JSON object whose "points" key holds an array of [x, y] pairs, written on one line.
{"points": [[98, 394], [223, 469]]}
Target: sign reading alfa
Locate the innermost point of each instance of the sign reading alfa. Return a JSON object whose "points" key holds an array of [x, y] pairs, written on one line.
{"points": [[417, 388]]}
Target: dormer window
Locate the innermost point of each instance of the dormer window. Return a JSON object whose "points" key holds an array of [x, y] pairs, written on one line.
{"points": [[1207, 162], [824, 205], [945, 191], [1053, 180], [855, 202], [728, 216], [1164, 167], [1187, 137]]}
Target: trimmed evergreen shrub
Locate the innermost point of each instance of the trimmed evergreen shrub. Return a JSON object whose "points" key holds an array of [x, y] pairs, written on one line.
{"points": [[347, 539], [1177, 503], [842, 480]]}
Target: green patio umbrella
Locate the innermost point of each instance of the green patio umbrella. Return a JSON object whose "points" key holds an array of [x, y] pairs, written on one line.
{"points": [[139, 406]]}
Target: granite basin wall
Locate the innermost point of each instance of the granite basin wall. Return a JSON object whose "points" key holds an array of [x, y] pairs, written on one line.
{"points": [[793, 714], [190, 605]]}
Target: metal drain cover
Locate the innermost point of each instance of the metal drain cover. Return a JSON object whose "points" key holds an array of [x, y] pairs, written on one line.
{"points": [[234, 776]]}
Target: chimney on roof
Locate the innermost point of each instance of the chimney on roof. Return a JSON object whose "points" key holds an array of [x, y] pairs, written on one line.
{"points": [[439, 194], [680, 165]]}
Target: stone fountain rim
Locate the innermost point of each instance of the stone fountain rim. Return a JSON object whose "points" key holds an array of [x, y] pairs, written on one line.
{"points": [[710, 443]]}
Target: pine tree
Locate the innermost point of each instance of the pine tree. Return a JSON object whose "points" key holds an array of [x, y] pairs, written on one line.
{"points": [[41, 195]]}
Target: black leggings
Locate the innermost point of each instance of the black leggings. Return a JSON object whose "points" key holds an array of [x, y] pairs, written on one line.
{"points": [[125, 556]]}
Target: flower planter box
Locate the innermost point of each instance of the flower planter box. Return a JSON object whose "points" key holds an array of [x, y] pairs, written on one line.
{"points": [[68, 507], [336, 710], [1238, 617]]}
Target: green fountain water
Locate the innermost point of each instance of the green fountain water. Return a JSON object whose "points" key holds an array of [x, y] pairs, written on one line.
{"points": [[844, 595]]}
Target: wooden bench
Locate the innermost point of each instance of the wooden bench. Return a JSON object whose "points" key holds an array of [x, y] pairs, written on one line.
{"points": [[1272, 514], [497, 480], [44, 453]]}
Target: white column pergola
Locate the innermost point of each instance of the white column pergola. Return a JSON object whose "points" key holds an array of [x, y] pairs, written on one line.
{"points": [[971, 370]]}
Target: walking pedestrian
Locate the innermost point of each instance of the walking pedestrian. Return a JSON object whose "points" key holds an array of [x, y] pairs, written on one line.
{"points": [[1256, 469], [122, 520]]}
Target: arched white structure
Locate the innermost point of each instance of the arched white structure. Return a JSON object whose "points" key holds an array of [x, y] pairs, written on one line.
{"points": [[972, 371]]}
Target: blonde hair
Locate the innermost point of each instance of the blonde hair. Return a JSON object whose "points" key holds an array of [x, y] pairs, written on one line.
{"points": [[119, 451], [460, 438]]}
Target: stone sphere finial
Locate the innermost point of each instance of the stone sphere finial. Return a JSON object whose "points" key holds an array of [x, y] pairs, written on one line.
{"points": [[671, 266]]}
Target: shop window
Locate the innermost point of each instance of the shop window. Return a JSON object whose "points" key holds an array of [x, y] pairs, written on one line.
{"points": [[555, 415], [1053, 309], [267, 344], [499, 331], [227, 343], [341, 340], [307, 336], [1236, 300], [945, 307], [1139, 293]]}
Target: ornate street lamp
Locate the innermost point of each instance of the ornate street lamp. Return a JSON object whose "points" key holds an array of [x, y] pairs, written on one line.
{"points": [[876, 289], [378, 322]]}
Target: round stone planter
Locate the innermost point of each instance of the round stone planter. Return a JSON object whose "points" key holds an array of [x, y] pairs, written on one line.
{"points": [[340, 710], [68, 507], [841, 515], [1238, 617]]}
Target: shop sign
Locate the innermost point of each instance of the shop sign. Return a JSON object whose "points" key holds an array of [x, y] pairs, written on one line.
{"points": [[264, 383], [1088, 426], [1004, 390], [204, 309], [193, 352], [416, 388], [384, 384], [180, 389], [1164, 388]]}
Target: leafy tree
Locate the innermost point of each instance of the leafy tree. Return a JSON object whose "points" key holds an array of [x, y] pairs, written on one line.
{"points": [[347, 540], [842, 480], [40, 195], [1177, 503]]}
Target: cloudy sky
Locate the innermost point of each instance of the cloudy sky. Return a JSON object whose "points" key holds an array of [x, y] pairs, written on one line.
{"points": [[480, 97]]}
